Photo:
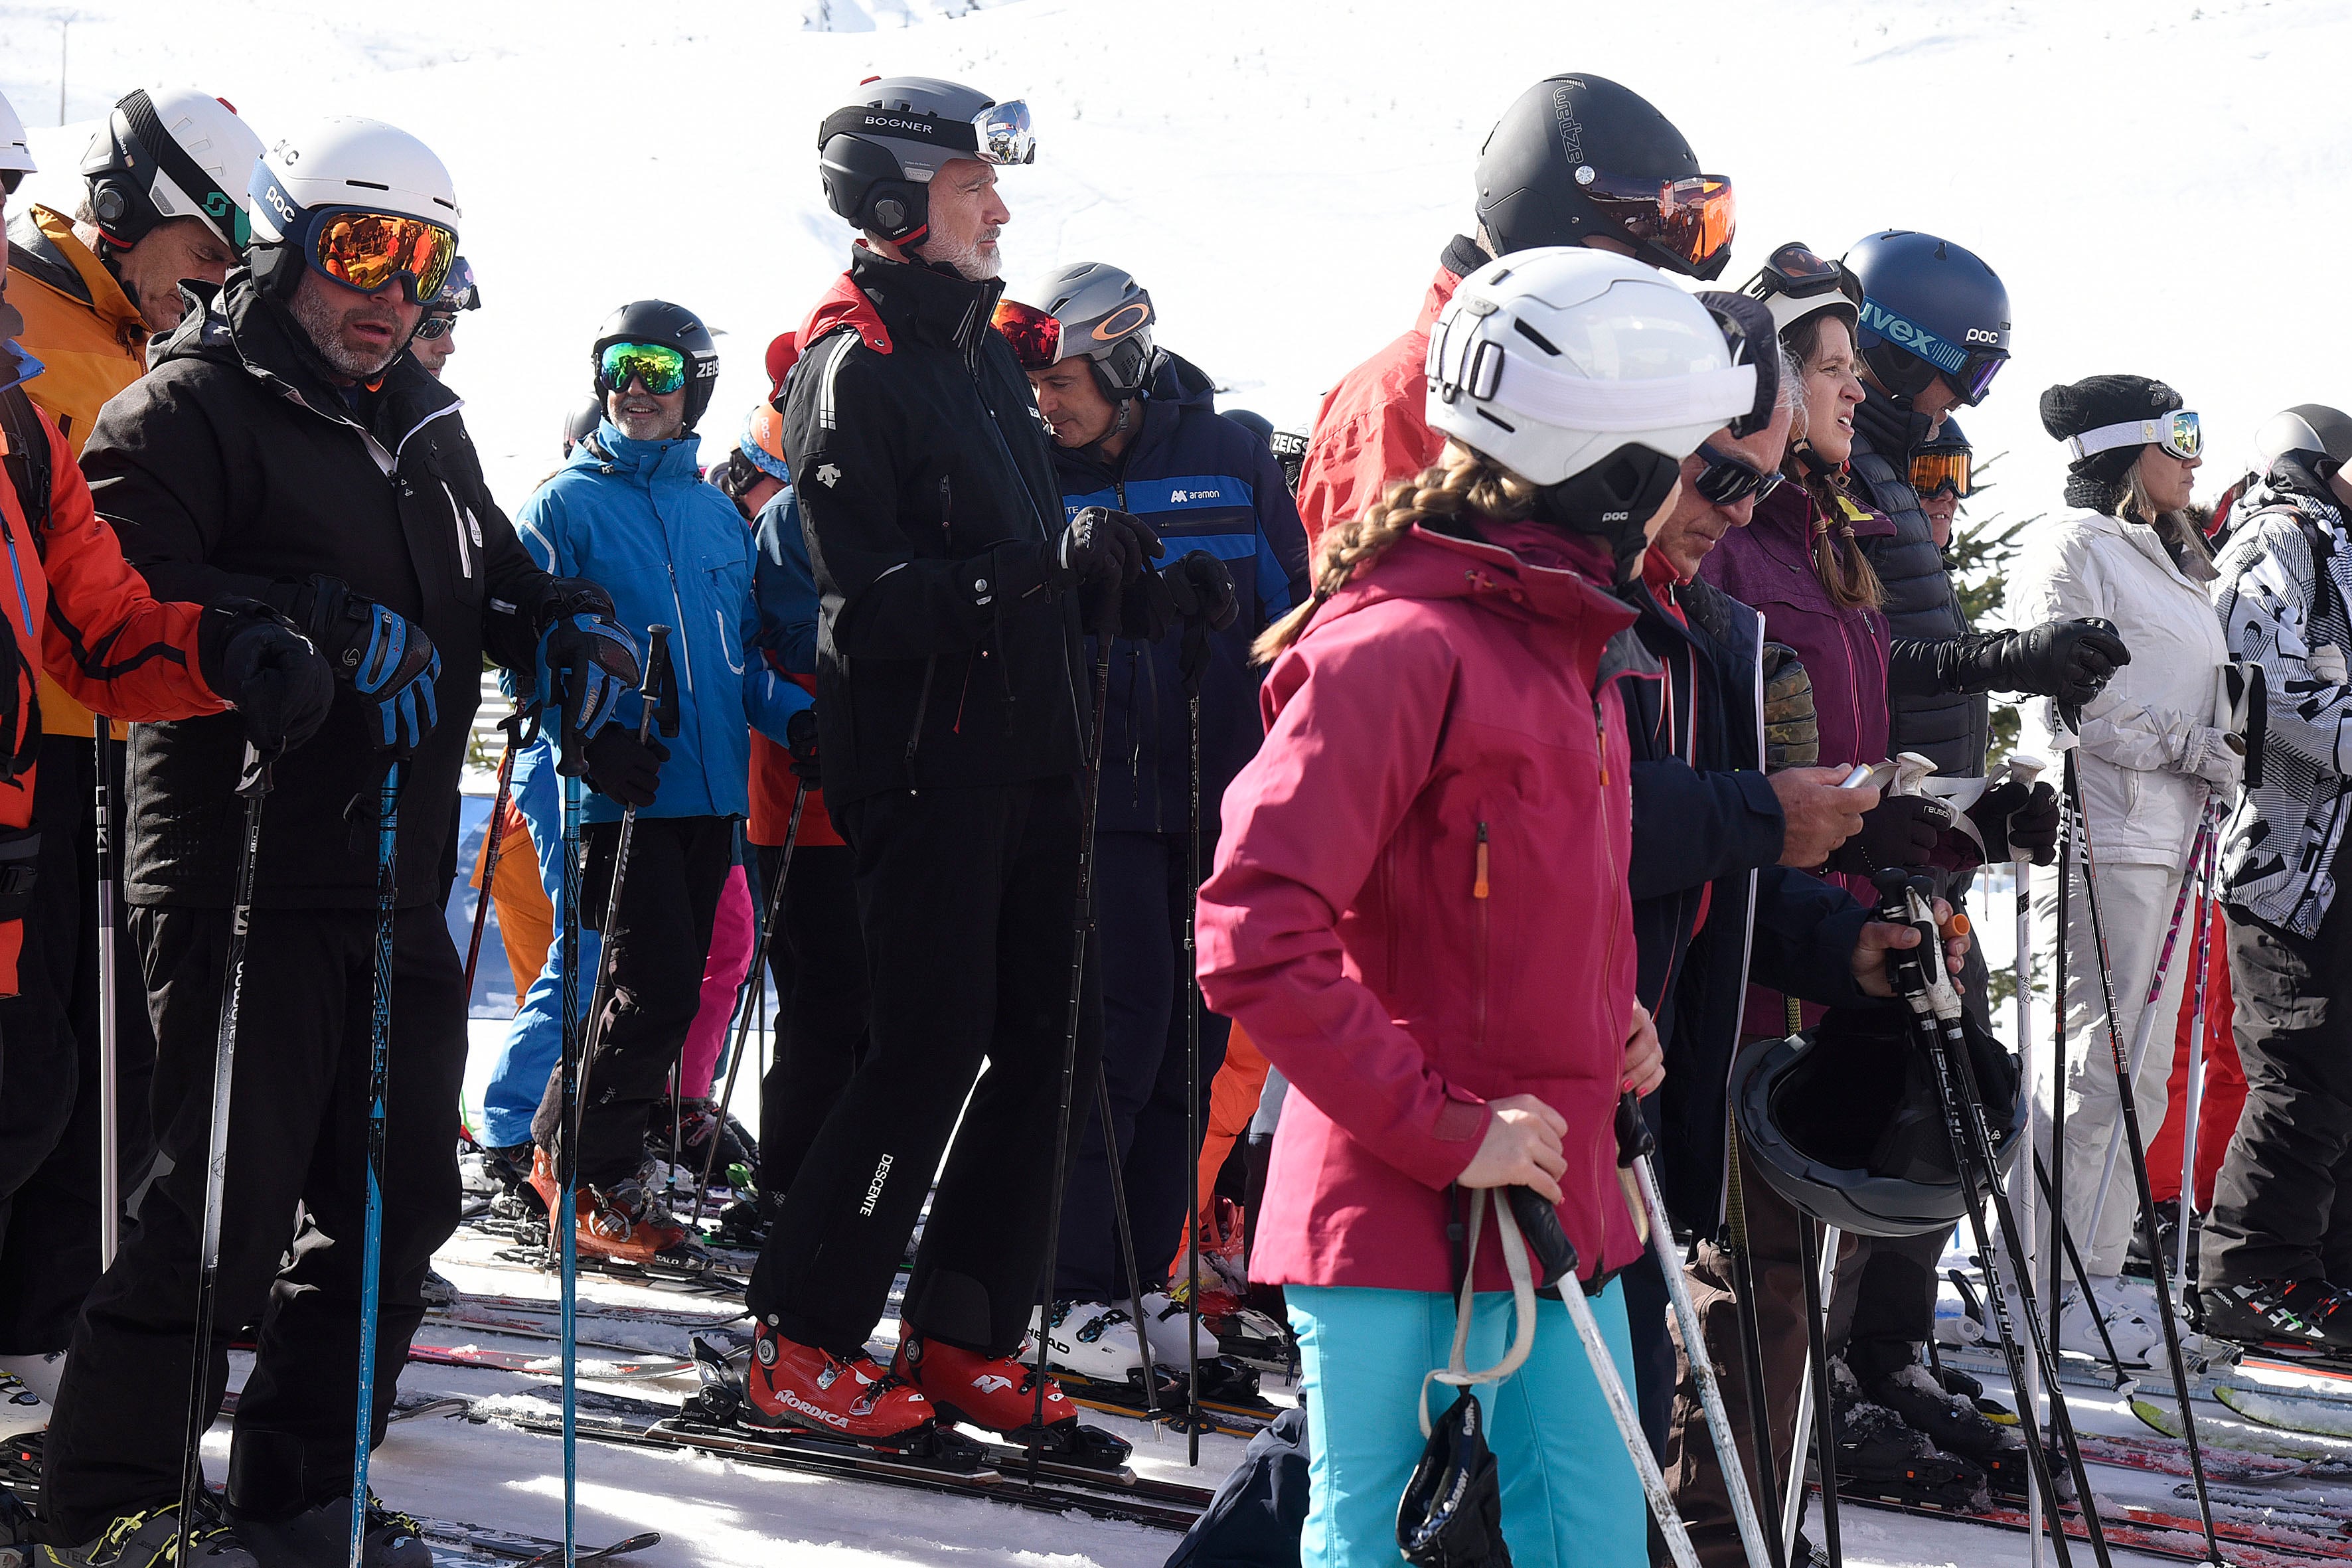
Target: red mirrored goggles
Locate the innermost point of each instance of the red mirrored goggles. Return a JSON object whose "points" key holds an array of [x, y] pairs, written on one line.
{"points": [[369, 251], [1036, 335], [1691, 220]]}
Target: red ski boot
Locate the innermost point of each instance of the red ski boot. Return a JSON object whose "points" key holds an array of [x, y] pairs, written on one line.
{"points": [[999, 1394], [797, 1386], [626, 1223]]}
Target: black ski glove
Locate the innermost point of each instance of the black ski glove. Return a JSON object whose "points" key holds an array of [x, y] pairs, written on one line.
{"points": [[2070, 660], [800, 742], [387, 658], [1792, 729], [2011, 815], [1105, 545], [1203, 589], [623, 768], [253, 658], [1898, 831]]}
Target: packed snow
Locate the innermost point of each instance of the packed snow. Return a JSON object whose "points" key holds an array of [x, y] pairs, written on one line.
{"points": [[2160, 185]]}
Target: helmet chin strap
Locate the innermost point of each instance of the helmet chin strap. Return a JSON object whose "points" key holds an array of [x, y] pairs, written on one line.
{"points": [[1613, 501]]}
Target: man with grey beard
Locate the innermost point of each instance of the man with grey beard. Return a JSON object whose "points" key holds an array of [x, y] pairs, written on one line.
{"points": [[284, 447]]}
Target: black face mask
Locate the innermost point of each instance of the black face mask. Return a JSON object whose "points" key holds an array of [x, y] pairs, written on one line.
{"points": [[1613, 501]]}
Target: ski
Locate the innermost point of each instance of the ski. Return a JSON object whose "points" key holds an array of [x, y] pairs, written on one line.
{"points": [[2284, 1508], [468, 1307], [627, 1370], [1242, 1417], [2135, 1529], [2170, 1458], [2214, 1431], [484, 1543], [2319, 1415]]}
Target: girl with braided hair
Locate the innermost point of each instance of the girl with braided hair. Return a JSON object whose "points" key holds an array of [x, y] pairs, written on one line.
{"points": [[1421, 911]]}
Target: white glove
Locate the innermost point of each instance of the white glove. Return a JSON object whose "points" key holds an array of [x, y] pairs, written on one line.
{"points": [[2327, 662], [2215, 756]]}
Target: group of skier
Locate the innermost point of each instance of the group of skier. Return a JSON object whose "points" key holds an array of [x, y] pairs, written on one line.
{"points": [[1537, 759]]}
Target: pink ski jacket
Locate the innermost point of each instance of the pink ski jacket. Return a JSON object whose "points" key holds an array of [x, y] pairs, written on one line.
{"points": [[1420, 901]]}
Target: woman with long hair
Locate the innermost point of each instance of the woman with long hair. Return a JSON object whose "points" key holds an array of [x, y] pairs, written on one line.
{"points": [[1420, 910]]}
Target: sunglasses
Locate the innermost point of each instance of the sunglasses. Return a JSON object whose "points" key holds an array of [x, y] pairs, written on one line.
{"points": [[657, 367], [1036, 335], [1691, 220], [1933, 473], [2177, 433], [435, 326], [370, 251], [1727, 480]]}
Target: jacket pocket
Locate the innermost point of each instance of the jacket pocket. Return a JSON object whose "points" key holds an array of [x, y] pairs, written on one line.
{"points": [[466, 532]]}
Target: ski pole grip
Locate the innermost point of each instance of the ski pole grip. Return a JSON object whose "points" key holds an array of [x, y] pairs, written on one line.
{"points": [[659, 693], [1548, 1244], [1634, 1138]]}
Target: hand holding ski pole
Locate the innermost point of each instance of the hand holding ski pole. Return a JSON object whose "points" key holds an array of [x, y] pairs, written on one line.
{"points": [[1522, 1148], [1882, 940], [1645, 1058]]}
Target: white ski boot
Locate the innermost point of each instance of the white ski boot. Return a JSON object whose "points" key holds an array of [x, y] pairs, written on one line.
{"points": [[2130, 1315], [1163, 1324], [21, 1410], [1094, 1341]]}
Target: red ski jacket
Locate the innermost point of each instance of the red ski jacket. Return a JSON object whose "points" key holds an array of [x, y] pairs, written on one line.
{"points": [[101, 635], [1420, 902], [1371, 431]]}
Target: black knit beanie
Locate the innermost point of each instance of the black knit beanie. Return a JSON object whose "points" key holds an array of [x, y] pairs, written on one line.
{"points": [[2097, 481]]}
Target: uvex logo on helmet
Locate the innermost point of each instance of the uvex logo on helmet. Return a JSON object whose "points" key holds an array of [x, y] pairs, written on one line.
{"points": [[1904, 334]]}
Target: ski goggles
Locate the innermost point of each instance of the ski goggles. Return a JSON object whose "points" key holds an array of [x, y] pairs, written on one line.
{"points": [[657, 367], [2177, 432], [459, 292], [1690, 219], [1001, 133], [1794, 272], [1036, 335], [1727, 481], [370, 251], [1933, 473], [1906, 358]]}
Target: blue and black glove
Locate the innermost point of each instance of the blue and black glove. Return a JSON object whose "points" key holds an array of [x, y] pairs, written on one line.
{"points": [[587, 663], [387, 658]]}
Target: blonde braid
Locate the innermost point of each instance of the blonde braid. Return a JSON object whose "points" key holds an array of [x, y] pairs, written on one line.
{"points": [[1460, 479]]}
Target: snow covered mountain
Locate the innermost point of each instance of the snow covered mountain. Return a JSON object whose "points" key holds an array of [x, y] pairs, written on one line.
{"points": [[2162, 185]]}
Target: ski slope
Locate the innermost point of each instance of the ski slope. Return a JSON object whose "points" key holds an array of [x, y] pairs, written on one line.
{"points": [[2161, 184]]}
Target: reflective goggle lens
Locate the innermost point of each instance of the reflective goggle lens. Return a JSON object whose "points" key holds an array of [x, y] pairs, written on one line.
{"points": [[1977, 379], [657, 367], [367, 251], [1933, 472], [2184, 438], [1691, 218], [1035, 336], [1005, 135], [1727, 480]]}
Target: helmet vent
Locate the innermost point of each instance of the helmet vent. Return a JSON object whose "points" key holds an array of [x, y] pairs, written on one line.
{"points": [[368, 184], [1535, 337]]}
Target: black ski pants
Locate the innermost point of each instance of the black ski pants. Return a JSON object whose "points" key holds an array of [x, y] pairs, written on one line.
{"points": [[49, 1042], [819, 960], [2277, 1208], [1143, 883], [654, 958], [291, 1211], [965, 897]]}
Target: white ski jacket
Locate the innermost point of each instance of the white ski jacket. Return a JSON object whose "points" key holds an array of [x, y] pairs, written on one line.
{"points": [[2285, 574], [2151, 754]]}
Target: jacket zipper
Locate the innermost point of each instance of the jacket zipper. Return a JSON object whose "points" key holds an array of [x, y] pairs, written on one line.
{"points": [[1479, 888], [922, 705], [1608, 849]]}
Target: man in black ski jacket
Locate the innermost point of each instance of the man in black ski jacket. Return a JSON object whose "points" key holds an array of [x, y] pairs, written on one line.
{"points": [[953, 702], [284, 448]]}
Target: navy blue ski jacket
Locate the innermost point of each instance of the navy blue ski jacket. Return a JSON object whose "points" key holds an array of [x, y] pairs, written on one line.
{"points": [[1205, 483]]}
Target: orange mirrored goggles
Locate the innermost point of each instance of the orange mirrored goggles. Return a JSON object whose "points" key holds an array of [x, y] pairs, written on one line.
{"points": [[1036, 335], [1691, 220], [1932, 473], [370, 251]]}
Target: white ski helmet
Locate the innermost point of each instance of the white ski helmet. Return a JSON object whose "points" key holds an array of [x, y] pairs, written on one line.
{"points": [[1553, 361], [2323, 435], [167, 153], [346, 163], [16, 157]]}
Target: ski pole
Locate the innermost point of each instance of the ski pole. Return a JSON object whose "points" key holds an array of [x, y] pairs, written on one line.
{"points": [[253, 787], [655, 702], [1751, 1347], [564, 1217], [2074, 1258], [2196, 1106], [1819, 1262], [1082, 921], [1192, 1080], [494, 845], [1126, 1227], [1710, 1395], [2144, 1030], [2061, 1071], [387, 839], [2129, 1102], [110, 1082], [2026, 771], [757, 980], [1918, 975]]}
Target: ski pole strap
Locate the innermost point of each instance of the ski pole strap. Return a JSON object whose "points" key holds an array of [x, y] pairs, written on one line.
{"points": [[1456, 1372]]}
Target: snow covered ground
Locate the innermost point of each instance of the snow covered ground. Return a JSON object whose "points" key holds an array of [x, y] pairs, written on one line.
{"points": [[2161, 184]]}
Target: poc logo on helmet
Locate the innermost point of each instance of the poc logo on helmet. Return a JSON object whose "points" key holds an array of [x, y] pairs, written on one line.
{"points": [[1980, 335]]}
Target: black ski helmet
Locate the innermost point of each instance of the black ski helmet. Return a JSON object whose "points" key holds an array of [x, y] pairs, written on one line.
{"points": [[877, 157], [1929, 305], [582, 422], [659, 321], [1848, 1127], [1580, 156]]}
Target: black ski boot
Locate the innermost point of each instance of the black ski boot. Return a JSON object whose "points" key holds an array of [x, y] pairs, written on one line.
{"points": [[150, 1539], [270, 1508], [1880, 1455], [2283, 1317], [515, 1198], [1955, 1423]]}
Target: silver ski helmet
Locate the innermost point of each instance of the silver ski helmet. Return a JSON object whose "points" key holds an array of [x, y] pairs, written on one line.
{"points": [[1096, 312], [877, 156], [1846, 1123], [2319, 435]]}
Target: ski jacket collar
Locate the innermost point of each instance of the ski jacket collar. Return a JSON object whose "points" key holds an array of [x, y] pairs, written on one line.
{"points": [[647, 462], [1174, 387], [45, 246], [1895, 429], [1522, 571]]}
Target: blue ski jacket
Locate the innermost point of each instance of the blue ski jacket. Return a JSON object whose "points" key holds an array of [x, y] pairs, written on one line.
{"points": [[636, 518], [1205, 483]]}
